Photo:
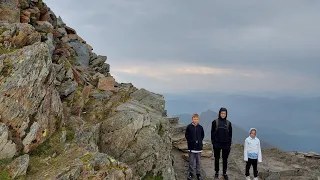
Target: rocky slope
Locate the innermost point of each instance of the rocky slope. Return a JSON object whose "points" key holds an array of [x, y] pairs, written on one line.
{"points": [[276, 165], [63, 116]]}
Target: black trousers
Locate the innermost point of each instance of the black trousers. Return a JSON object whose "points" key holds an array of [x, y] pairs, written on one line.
{"points": [[225, 155], [254, 163]]}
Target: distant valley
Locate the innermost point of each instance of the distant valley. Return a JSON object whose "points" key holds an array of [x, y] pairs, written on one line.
{"points": [[288, 123], [206, 119]]}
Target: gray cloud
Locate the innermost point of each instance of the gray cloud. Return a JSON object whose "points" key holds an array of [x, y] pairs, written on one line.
{"points": [[274, 37]]}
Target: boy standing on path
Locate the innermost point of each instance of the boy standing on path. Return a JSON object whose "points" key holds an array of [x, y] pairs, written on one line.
{"points": [[252, 153], [221, 138], [194, 135]]}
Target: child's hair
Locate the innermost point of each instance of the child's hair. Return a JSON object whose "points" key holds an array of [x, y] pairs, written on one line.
{"points": [[195, 116], [253, 130]]}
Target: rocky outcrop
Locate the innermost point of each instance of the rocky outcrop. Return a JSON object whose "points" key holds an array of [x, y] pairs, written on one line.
{"points": [[153, 100], [7, 147], [19, 166], [139, 136], [29, 103], [63, 115]]}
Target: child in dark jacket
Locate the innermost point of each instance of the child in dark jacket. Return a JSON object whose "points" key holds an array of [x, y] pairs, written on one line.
{"points": [[194, 135]]}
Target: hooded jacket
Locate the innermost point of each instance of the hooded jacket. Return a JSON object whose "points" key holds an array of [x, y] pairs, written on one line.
{"points": [[222, 137], [252, 148], [194, 135]]}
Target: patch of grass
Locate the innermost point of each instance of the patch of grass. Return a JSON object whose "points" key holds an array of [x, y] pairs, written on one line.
{"points": [[2, 30], [161, 131], [124, 98], [4, 162], [149, 176], [86, 158], [4, 175], [116, 168], [53, 144], [7, 67]]}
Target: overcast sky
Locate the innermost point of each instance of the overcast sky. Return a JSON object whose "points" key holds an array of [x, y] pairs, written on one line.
{"points": [[186, 45]]}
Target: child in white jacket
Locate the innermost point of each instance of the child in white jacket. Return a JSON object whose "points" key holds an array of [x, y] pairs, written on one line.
{"points": [[252, 153]]}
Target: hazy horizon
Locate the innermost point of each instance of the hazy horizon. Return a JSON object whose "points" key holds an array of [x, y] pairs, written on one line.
{"points": [[289, 123], [222, 46]]}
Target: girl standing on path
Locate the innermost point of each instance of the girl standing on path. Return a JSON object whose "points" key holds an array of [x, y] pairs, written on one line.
{"points": [[252, 153]]}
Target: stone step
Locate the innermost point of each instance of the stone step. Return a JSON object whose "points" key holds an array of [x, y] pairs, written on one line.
{"points": [[178, 138], [179, 128], [173, 120]]}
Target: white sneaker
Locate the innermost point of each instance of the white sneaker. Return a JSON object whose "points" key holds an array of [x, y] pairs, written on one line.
{"points": [[256, 178], [248, 178]]}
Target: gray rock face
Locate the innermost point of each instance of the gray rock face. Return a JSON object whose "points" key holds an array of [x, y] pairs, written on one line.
{"points": [[153, 100], [60, 22], [28, 95], [7, 147], [82, 51], [19, 166], [67, 88], [50, 43], [139, 136]]}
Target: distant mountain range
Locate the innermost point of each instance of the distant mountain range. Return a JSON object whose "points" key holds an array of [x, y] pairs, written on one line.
{"points": [[289, 123], [206, 119]]}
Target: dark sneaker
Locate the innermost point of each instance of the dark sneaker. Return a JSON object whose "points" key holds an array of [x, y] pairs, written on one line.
{"points": [[190, 176], [199, 177], [216, 175], [226, 177]]}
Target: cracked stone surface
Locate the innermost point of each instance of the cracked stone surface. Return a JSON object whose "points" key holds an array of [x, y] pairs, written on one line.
{"points": [[140, 137]]}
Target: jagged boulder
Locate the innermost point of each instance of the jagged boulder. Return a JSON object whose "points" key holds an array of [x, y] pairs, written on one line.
{"points": [[82, 51], [139, 136], [153, 100], [18, 35], [19, 166], [29, 102], [7, 147]]}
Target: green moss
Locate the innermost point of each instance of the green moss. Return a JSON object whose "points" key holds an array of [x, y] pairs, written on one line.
{"points": [[58, 122], [161, 131], [4, 162], [2, 30], [86, 158], [7, 67], [116, 168], [4, 175], [4, 50], [53, 144], [124, 98], [149, 176]]}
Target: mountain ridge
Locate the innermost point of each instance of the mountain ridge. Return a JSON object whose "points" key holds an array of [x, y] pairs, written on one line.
{"points": [[206, 119]]}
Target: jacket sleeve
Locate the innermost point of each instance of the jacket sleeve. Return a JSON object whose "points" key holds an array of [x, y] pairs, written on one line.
{"points": [[202, 133], [213, 129], [230, 132], [259, 153], [245, 152]]}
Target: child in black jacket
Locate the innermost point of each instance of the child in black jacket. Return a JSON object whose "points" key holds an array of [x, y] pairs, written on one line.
{"points": [[194, 135]]}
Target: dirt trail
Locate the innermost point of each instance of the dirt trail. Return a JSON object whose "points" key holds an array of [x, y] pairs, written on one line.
{"points": [[276, 165]]}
